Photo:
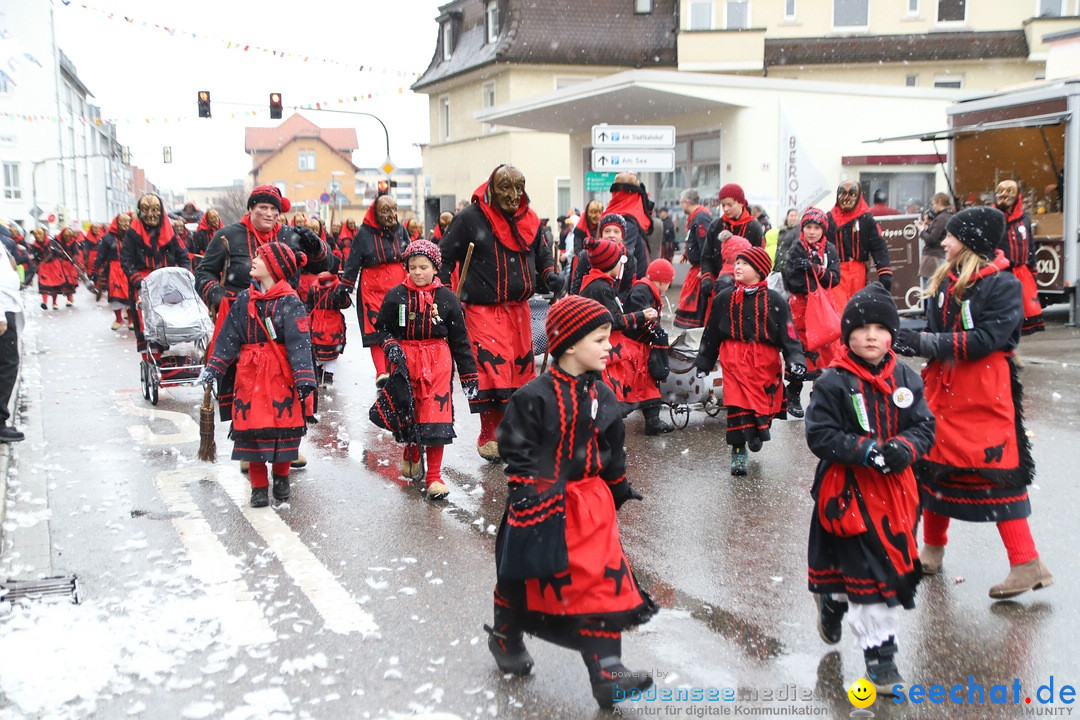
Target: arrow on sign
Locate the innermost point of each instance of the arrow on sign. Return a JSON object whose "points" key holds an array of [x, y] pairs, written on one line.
{"points": [[602, 160], [602, 136]]}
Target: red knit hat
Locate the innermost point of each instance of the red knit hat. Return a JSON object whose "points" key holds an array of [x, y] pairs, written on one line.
{"points": [[733, 191], [280, 260], [426, 248], [571, 319], [758, 258], [269, 194], [605, 254], [815, 216], [661, 270]]}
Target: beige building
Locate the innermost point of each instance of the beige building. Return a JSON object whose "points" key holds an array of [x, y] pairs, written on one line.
{"points": [[737, 79]]}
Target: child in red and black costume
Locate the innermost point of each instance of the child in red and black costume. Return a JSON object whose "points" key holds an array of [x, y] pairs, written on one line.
{"points": [[811, 263], [68, 240], [868, 422], [749, 326], [981, 464], [324, 306], [639, 345], [566, 425], [375, 261], [611, 227], [627, 369], [267, 333], [425, 328]]}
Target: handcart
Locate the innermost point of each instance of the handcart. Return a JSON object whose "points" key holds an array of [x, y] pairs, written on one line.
{"points": [[177, 327], [683, 391]]}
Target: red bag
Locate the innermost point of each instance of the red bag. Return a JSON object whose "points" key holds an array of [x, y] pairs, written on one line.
{"points": [[822, 320], [837, 505]]}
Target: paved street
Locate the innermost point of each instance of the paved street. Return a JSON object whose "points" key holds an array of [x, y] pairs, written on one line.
{"points": [[360, 598]]}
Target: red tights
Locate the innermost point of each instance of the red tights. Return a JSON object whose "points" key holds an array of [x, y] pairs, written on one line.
{"points": [[489, 420], [1015, 534], [434, 454], [378, 359], [257, 472]]}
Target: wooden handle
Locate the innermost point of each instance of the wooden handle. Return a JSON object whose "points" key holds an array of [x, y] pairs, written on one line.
{"points": [[465, 269]]}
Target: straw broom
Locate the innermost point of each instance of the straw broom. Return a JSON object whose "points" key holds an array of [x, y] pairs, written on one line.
{"points": [[207, 443]]}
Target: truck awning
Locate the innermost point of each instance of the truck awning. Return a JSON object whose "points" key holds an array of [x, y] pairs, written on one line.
{"points": [[949, 133]]}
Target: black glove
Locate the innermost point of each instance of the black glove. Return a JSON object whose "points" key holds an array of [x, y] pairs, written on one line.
{"points": [[796, 371], [342, 296], [886, 281], [304, 390], [556, 283], [897, 455], [394, 354], [215, 294], [707, 284], [630, 494], [471, 387], [876, 459], [912, 342], [699, 373], [799, 263], [309, 242]]}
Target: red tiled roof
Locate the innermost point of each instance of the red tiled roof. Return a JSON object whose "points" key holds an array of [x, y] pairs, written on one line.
{"points": [[268, 139]]}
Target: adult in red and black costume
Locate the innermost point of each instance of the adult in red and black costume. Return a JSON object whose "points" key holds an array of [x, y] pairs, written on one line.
{"points": [[981, 463], [508, 251], [50, 273], [1018, 244], [209, 224], [629, 199], [345, 238], [225, 270], [149, 245], [377, 256], [588, 225], [811, 263], [855, 232], [90, 245], [69, 242], [108, 271], [736, 219], [694, 299]]}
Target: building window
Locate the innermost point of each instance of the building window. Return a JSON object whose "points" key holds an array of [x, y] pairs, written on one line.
{"points": [[911, 80], [737, 14], [488, 102], [12, 188], [444, 117], [307, 160], [955, 82], [642, 7], [562, 196], [447, 39], [1050, 8], [951, 11], [701, 15], [912, 7], [851, 14], [492, 14], [789, 9]]}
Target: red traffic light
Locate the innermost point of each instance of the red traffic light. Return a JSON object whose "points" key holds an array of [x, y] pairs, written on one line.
{"points": [[275, 106], [204, 103], [383, 186]]}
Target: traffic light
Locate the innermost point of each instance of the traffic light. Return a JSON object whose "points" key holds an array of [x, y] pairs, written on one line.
{"points": [[383, 188], [275, 106], [204, 103]]}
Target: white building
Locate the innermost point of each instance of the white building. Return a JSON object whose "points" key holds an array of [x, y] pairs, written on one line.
{"points": [[56, 152]]}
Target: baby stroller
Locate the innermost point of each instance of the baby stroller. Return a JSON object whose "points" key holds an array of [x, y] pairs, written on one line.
{"points": [[177, 327], [683, 391]]}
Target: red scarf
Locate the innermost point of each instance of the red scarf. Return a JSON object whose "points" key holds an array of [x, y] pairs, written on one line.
{"points": [[514, 233], [261, 238], [627, 202], [738, 227], [698, 209], [280, 289], [1017, 211], [114, 227], [436, 232], [882, 380], [165, 233], [593, 275], [369, 219], [812, 248], [204, 225], [425, 295], [843, 218]]}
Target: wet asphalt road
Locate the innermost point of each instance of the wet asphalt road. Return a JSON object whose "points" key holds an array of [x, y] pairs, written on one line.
{"points": [[725, 558]]}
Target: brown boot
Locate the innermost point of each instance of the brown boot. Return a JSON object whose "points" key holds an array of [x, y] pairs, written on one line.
{"points": [[931, 557], [1032, 575], [300, 461], [489, 451]]}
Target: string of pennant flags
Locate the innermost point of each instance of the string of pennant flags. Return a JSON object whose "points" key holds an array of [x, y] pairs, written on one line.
{"points": [[178, 119], [238, 45]]}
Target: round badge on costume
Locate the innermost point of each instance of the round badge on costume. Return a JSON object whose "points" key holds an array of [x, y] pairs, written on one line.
{"points": [[595, 407], [903, 397]]}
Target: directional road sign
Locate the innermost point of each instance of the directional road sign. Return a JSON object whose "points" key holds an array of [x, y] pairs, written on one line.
{"points": [[608, 160], [633, 136]]}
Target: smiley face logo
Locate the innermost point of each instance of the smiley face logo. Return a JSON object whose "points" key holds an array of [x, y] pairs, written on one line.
{"points": [[862, 693]]}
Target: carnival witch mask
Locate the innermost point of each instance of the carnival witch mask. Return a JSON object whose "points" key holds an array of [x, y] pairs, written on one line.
{"points": [[150, 211], [509, 189]]}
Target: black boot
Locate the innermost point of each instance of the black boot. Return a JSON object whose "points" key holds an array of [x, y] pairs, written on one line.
{"points": [[794, 399], [830, 624], [281, 487], [508, 648], [260, 497], [653, 424], [612, 681], [881, 668]]}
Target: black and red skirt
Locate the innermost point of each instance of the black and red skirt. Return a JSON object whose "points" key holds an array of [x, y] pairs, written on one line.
{"points": [[375, 282], [267, 417], [430, 363], [502, 345]]}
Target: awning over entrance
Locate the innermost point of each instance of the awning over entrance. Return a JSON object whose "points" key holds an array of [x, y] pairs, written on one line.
{"points": [[949, 133]]}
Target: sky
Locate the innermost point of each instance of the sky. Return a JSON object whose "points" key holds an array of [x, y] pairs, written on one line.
{"points": [[147, 78]]}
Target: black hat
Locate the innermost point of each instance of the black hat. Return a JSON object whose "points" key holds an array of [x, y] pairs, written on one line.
{"points": [[872, 304], [981, 228], [571, 319]]}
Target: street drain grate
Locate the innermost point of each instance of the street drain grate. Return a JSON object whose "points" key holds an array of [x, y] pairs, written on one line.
{"points": [[16, 590]]}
